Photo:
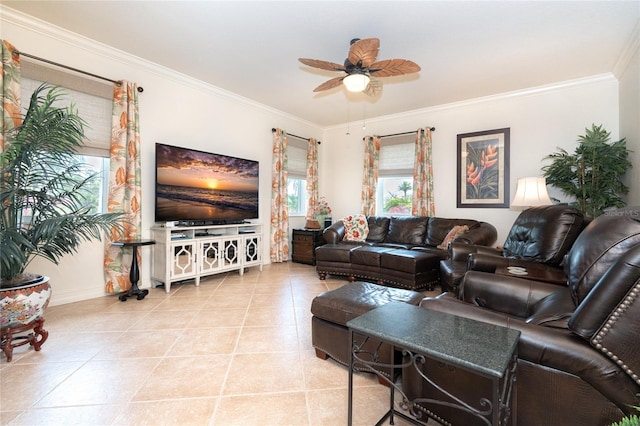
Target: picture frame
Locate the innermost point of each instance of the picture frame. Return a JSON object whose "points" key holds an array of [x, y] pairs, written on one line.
{"points": [[483, 169]]}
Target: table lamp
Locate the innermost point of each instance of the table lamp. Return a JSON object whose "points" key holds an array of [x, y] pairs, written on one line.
{"points": [[531, 192]]}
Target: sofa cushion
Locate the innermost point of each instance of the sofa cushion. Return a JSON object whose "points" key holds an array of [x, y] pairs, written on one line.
{"points": [[455, 232], [553, 310], [439, 228], [407, 230], [335, 253], [356, 227], [378, 228]]}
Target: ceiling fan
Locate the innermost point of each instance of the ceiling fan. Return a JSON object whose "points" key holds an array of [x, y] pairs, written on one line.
{"points": [[361, 68]]}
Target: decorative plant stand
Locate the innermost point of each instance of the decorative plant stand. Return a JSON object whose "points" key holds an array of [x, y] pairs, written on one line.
{"points": [[8, 341]]}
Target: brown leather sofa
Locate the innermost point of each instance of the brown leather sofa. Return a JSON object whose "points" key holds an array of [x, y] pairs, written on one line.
{"points": [[399, 251], [579, 351], [539, 238]]}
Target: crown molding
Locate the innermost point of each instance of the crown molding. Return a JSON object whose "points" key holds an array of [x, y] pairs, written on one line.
{"points": [[532, 91], [630, 50], [111, 53]]}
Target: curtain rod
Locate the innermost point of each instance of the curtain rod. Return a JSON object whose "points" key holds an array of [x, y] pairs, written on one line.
{"points": [[273, 129], [433, 129], [140, 89]]}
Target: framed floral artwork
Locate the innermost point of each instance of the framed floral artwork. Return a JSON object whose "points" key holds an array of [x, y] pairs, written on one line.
{"points": [[483, 169]]}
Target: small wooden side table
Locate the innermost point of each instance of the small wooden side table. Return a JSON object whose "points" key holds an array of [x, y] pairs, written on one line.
{"points": [[134, 272], [304, 243]]}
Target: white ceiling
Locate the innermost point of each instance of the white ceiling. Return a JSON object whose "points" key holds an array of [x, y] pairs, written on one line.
{"points": [[466, 49]]}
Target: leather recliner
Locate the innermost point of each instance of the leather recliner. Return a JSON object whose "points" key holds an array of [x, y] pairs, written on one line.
{"points": [[540, 236], [578, 354]]}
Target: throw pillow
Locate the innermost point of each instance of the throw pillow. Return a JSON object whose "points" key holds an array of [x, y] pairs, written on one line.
{"points": [[455, 232], [356, 227]]}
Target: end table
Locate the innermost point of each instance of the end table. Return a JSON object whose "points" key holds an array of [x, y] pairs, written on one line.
{"points": [[134, 272]]}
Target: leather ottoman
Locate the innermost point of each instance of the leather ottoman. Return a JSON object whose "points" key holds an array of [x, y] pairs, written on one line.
{"points": [[412, 269], [366, 261], [333, 309]]}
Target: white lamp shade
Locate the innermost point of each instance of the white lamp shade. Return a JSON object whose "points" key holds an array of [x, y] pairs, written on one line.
{"points": [[356, 82], [531, 192]]}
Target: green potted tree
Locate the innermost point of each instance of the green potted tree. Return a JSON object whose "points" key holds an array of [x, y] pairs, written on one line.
{"points": [[43, 210], [593, 174]]}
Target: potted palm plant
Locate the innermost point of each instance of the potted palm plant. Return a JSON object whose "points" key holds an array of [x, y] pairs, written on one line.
{"points": [[43, 210], [593, 174]]}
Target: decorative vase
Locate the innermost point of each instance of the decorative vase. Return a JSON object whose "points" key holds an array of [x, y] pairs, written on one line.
{"points": [[22, 309]]}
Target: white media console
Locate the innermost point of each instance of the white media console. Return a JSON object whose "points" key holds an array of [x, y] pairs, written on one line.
{"points": [[191, 252]]}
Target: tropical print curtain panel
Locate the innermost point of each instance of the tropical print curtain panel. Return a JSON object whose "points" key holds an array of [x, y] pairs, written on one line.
{"points": [[423, 202], [124, 184], [312, 178], [279, 247], [370, 174], [10, 84]]}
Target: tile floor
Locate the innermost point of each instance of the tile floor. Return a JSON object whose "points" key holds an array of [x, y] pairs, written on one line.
{"points": [[234, 351]]}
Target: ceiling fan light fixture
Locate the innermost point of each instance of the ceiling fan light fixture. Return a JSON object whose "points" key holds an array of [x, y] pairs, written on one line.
{"points": [[356, 82]]}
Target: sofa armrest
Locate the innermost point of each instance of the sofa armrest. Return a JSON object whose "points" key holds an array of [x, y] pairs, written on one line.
{"points": [[486, 262], [485, 234], [504, 294], [460, 251], [335, 233]]}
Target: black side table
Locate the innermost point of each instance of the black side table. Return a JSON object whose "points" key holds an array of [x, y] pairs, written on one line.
{"points": [[134, 272]]}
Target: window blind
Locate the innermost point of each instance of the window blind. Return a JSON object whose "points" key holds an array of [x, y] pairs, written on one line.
{"points": [[93, 101], [397, 156], [297, 158]]}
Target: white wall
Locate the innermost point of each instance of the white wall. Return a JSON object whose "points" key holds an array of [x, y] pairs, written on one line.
{"points": [[174, 109], [630, 113], [540, 120]]}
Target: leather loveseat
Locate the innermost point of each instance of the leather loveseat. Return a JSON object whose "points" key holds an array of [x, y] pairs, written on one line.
{"points": [[578, 353], [398, 251]]}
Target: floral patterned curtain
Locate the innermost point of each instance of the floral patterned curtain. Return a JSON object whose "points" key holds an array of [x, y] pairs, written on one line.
{"points": [[423, 202], [10, 86], [279, 247], [370, 174], [312, 178], [124, 184]]}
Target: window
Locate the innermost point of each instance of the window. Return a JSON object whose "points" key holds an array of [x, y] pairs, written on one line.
{"points": [[395, 182], [94, 104], [297, 178]]}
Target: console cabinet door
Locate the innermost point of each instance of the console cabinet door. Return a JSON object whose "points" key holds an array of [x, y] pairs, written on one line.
{"points": [[231, 252], [183, 262], [210, 256], [252, 252]]}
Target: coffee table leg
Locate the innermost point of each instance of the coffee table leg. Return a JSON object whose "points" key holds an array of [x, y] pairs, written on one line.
{"points": [[350, 396]]}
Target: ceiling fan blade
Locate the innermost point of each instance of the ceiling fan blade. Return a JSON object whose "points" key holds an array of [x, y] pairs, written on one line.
{"points": [[323, 65], [391, 67], [374, 88], [330, 84], [365, 50]]}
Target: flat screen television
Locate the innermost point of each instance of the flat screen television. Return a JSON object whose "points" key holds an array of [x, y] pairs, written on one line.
{"points": [[201, 188]]}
